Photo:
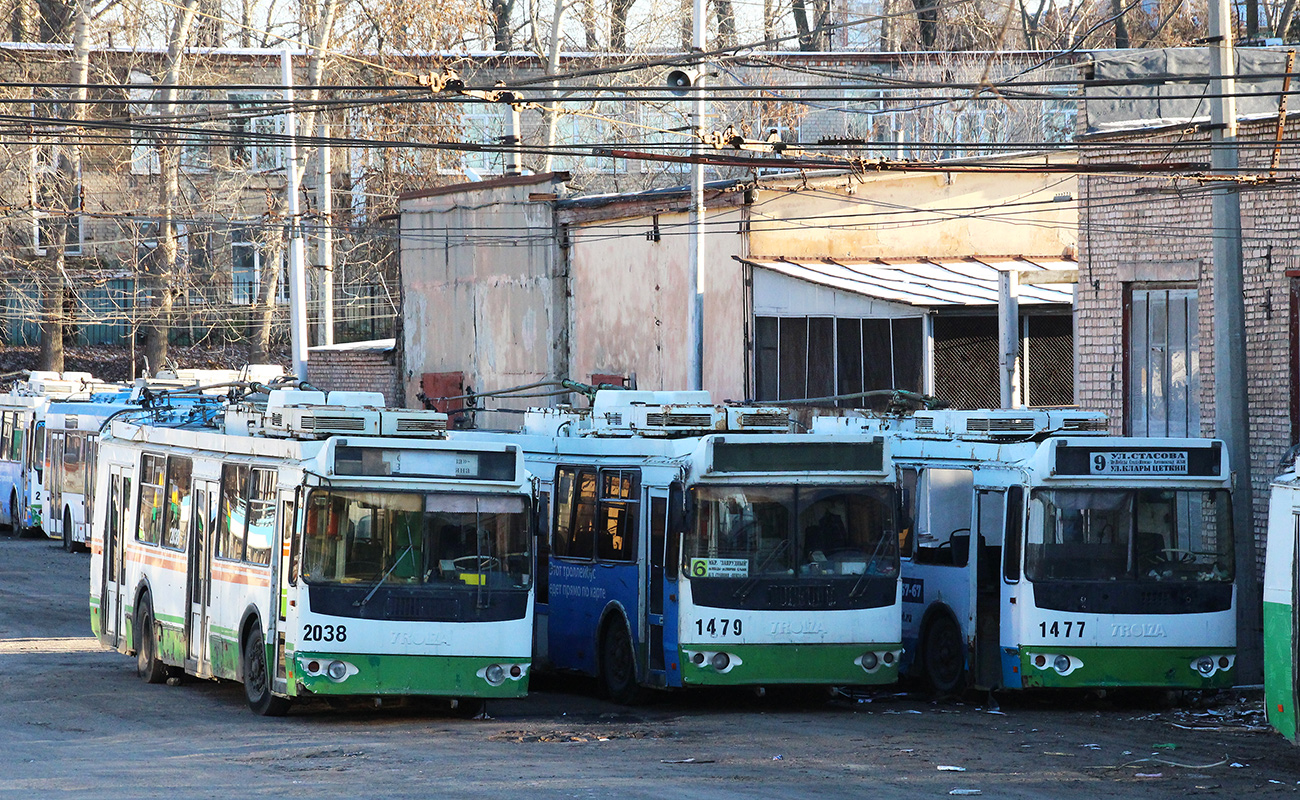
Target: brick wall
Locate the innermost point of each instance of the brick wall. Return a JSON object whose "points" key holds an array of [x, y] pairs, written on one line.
{"points": [[1128, 220], [355, 370]]}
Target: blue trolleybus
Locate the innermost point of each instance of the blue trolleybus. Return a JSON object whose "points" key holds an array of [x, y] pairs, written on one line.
{"points": [[685, 544]]}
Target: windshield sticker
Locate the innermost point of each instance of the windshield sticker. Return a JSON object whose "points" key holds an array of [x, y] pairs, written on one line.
{"points": [[719, 568], [1140, 462]]}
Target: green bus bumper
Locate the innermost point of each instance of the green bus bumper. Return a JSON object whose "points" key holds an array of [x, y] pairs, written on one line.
{"points": [[440, 676], [790, 664], [1164, 667]]}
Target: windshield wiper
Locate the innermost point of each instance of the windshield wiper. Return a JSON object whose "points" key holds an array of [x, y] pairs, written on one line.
{"points": [[748, 586], [362, 602], [858, 588]]}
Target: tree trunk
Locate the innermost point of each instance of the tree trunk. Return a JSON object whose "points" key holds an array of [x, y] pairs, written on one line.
{"points": [[163, 269], [927, 22], [1121, 27], [801, 26], [501, 10], [68, 195], [618, 11], [589, 25], [260, 352], [726, 15], [52, 319], [769, 24]]}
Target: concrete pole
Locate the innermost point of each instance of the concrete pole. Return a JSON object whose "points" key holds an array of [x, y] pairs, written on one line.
{"points": [[695, 247], [1231, 415], [325, 239], [1009, 338], [297, 270]]}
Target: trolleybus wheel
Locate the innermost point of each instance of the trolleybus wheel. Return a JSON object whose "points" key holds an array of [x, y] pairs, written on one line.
{"points": [[942, 655], [257, 679], [15, 519], [618, 665], [147, 664], [67, 530]]}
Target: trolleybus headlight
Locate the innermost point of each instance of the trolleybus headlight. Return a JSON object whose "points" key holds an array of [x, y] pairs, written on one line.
{"points": [[337, 670], [495, 674], [1040, 661], [312, 667], [720, 661], [1061, 664], [515, 671], [888, 658], [868, 661], [697, 658], [1204, 665]]}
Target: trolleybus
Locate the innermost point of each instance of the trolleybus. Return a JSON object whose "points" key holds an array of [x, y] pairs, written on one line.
{"points": [[691, 545], [22, 426], [313, 547], [1038, 552], [1281, 623]]}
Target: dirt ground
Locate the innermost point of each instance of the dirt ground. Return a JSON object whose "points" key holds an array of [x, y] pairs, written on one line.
{"points": [[75, 721]]}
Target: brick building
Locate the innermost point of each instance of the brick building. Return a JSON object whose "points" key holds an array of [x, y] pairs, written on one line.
{"points": [[1144, 303]]}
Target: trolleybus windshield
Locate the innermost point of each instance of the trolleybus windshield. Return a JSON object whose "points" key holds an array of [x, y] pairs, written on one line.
{"points": [[766, 531], [408, 539], [1129, 534]]}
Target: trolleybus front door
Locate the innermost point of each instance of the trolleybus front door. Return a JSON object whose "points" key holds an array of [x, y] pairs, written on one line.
{"points": [[110, 601], [990, 519], [662, 637], [206, 497], [54, 495]]}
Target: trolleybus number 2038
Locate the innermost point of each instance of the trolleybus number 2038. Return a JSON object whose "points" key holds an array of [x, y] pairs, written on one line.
{"points": [[324, 633], [1059, 630]]}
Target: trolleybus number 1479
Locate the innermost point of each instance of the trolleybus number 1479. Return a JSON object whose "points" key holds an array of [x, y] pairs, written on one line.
{"points": [[717, 627]]}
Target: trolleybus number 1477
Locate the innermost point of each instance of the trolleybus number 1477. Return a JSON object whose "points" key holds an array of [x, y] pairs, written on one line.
{"points": [[1056, 630]]}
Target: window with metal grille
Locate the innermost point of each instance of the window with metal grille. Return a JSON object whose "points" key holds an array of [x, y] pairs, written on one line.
{"points": [[801, 357], [1049, 360], [966, 360]]}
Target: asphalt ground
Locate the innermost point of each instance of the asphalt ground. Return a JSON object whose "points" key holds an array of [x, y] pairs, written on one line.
{"points": [[75, 721]]}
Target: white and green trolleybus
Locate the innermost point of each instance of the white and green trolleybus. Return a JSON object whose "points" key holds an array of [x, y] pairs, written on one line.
{"points": [[1039, 552], [1281, 623], [689, 545], [315, 547]]}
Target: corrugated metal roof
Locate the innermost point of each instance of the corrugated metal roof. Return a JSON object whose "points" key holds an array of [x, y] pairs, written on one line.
{"points": [[930, 282]]}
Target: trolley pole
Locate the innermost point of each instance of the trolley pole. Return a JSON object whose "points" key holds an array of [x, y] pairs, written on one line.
{"points": [[1231, 414], [695, 247], [297, 269]]}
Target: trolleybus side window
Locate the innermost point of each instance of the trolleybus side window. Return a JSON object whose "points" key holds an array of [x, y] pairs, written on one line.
{"points": [[74, 463], [233, 513], [1014, 535], [7, 435], [261, 516], [676, 527], [617, 517], [909, 481], [178, 496], [943, 529], [575, 513], [150, 522], [19, 437]]}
